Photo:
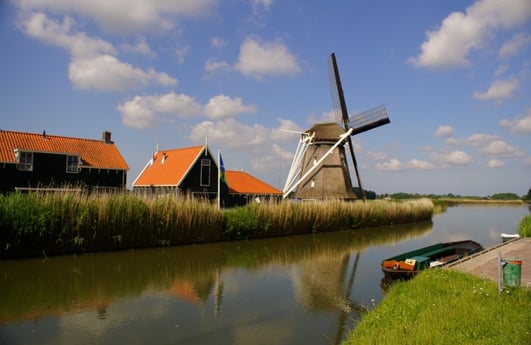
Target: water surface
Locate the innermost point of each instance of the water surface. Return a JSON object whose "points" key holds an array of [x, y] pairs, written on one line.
{"points": [[292, 290]]}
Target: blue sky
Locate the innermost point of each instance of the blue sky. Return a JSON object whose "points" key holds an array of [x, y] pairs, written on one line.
{"points": [[455, 77]]}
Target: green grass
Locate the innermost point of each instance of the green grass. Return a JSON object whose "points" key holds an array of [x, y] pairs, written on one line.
{"points": [[447, 307], [525, 227]]}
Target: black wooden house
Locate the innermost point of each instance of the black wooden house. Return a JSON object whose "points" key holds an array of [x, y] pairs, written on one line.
{"points": [[30, 161]]}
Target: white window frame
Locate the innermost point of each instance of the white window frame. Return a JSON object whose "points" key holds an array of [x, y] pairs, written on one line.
{"points": [[207, 164], [24, 160], [72, 168]]}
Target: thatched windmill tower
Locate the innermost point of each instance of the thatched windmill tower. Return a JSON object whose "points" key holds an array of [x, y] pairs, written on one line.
{"points": [[319, 169]]}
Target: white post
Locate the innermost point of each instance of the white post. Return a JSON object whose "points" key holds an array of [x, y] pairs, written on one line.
{"points": [[500, 284], [219, 180]]}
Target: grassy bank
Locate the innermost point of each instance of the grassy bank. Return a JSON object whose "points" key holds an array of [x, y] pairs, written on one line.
{"points": [[55, 223], [525, 227], [478, 201], [447, 307]]}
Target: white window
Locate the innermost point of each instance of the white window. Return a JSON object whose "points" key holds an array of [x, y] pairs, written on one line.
{"points": [[72, 164], [205, 172], [24, 160]]}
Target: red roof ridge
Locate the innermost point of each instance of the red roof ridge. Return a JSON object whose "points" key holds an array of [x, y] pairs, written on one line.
{"points": [[95, 153]]}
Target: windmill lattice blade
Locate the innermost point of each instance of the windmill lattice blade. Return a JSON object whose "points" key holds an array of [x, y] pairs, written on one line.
{"points": [[336, 91], [369, 119]]}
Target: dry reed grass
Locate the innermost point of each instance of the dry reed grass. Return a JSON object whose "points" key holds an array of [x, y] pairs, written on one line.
{"points": [[57, 223]]}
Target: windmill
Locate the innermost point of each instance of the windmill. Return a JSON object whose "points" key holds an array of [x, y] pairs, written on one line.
{"points": [[319, 169]]}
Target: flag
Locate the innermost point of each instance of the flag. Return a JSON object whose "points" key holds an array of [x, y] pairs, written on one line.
{"points": [[222, 170]]}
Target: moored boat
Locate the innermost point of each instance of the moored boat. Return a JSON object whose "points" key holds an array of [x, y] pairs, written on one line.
{"points": [[507, 237], [408, 264]]}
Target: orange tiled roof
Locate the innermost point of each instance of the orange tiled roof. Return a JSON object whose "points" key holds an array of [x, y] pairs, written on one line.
{"points": [[170, 173], [241, 182], [93, 153]]}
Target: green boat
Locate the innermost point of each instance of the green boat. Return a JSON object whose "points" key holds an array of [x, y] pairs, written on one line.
{"points": [[408, 264]]}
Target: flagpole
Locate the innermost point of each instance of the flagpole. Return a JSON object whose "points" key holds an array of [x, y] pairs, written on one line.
{"points": [[219, 179]]}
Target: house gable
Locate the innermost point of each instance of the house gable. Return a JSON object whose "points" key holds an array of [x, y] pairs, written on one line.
{"points": [[190, 169]]}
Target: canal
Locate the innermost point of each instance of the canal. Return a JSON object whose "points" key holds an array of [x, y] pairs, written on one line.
{"points": [[290, 290]]}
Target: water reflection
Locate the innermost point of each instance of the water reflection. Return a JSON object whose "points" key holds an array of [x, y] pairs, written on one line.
{"points": [[230, 292]]}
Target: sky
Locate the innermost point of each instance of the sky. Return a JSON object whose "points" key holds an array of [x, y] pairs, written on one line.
{"points": [[243, 75]]}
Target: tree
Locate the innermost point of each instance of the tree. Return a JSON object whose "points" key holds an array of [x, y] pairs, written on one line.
{"points": [[505, 196]]}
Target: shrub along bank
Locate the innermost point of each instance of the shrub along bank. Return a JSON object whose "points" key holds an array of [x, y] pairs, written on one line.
{"points": [[59, 223]]}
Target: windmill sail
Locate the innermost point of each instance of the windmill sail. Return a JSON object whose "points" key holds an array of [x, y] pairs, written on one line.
{"points": [[368, 120], [344, 115]]}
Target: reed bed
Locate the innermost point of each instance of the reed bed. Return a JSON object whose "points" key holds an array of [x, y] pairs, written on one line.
{"points": [[291, 218], [59, 223]]}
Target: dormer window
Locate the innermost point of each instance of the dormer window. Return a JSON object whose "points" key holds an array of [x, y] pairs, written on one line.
{"points": [[72, 164], [24, 160]]}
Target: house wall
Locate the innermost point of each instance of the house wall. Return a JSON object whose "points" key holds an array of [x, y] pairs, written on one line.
{"points": [[50, 170]]}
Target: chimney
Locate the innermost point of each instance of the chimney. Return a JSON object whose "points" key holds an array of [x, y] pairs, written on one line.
{"points": [[107, 137]]}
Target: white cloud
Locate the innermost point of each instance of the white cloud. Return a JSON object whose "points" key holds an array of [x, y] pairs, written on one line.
{"points": [[271, 162], [475, 140], [40, 27], [140, 47], [420, 164], [221, 106], [140, 112], [520, 124], [231, 133], [136, 113], [286, 131], [377, 156], [444, 131], [213, 65], [92, 65], [327, 116], [257, 59], [501, 148], [182, 106], [456, 157], [459, 33], [395, 164], [515, 45], [107, 73], [499, 90], [125, 16], [495, 163]]}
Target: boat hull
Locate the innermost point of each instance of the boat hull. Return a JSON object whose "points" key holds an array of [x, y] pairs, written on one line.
{"points": [[407, 265]]}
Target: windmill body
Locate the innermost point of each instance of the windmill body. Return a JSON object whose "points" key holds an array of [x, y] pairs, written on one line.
{"points": [[331, 178], [319, 169]]}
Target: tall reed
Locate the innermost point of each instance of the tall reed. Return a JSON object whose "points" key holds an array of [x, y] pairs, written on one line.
{"points": [[284, 218], [525, 227], [55, 223]]}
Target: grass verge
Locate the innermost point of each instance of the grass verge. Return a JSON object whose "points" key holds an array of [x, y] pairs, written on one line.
{"points": [[447, 307], [525, 227]]}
